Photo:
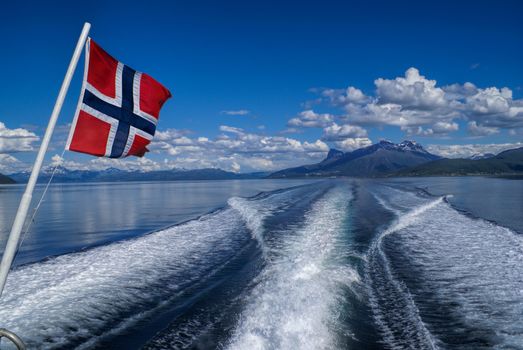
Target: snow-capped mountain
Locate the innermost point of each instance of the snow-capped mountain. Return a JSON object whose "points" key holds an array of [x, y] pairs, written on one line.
{"points": [[482, 156], [63, 174], [381, 158]]}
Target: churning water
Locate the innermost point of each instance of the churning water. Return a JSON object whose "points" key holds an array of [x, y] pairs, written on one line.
{"points": [[355, 264]]}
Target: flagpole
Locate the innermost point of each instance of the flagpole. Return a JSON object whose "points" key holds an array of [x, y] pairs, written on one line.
{"points": [[21, 214]]}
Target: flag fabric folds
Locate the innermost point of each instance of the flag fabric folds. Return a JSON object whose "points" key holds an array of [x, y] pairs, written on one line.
{"points": [[118, 108]]}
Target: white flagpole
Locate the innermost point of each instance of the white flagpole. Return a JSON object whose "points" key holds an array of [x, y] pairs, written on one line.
{"points": [[14, 236]]}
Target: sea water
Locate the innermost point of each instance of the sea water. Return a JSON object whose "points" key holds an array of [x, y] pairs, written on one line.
{"points": [[434, 263]]}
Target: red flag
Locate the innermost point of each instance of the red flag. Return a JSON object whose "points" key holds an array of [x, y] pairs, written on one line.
{"points": [[118, 108]]}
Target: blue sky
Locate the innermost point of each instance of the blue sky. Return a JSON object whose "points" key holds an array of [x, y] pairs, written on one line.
{"points": [[260, 85]]}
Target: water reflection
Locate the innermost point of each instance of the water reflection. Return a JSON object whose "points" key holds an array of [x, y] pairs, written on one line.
{"points": [[76, 216]]}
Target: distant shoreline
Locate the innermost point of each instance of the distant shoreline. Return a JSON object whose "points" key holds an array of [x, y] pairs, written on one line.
{"points": [[509, 176]]}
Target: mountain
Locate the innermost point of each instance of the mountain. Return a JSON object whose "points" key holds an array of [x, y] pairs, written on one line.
{"points": [[505, 163], [6, 180], [379, 159], [116, 175], [481, 156], [333, 154]]}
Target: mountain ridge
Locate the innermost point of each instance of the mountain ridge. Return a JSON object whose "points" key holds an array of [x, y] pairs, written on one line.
{"points": [[5, 180], [509, 162], [64, 175], [383, 159], [375, 160]]}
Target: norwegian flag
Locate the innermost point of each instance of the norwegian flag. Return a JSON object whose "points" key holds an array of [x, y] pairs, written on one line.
{"points": [[118, 108]]}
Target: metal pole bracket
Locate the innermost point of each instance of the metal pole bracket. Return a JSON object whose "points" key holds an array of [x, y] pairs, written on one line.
{"points": [[4, 333]]}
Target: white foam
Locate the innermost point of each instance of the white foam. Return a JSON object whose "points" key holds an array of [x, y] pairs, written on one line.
{"points": [[293, 306], [82, 297], [471, 264], [253, 213], [474, 264], [410, 217], [377, 262], [397, 201], [386, 205]]}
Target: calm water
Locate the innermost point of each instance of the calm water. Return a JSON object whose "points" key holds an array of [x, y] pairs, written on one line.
{"points": [[79, 216], [355, 264]]}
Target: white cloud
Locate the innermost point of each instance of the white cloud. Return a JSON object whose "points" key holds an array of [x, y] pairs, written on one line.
{"points": [[343, 97], [336, 132], [236, 112], [351, 144], [311, 119], [418, 106], [290, 131], [235, 167], [445, 127], [438, 129], [457, 91], [182, 141], [479, 130], [490, 101], [317, 146], [493, 107], [468, 150], [16, 140], [10, 165], [417, 131], [412, 103], [183, 149], [57, 160], [238, 149], [412, 91], [169, 134], [231, 129]]}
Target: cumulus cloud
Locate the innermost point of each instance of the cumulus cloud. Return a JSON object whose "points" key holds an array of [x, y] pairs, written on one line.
{"points": [[10, 164], [457, 91], [418, 106], [468, 150], [438, 129], [490, 101], [412, 103], [162, 135], [445, 127], [335, 132], [315, 147], [479, 130], [16, 140], [236, 112], [343, 97], [493, 107], [239, 150], [351, 144], [311, 119], [412, 91]]}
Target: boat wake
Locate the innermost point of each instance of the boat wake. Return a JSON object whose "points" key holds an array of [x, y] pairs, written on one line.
{"points": [[82, 298], [438, 278], [295, 300], [72, 299], [395, 312], [320, 266]]}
